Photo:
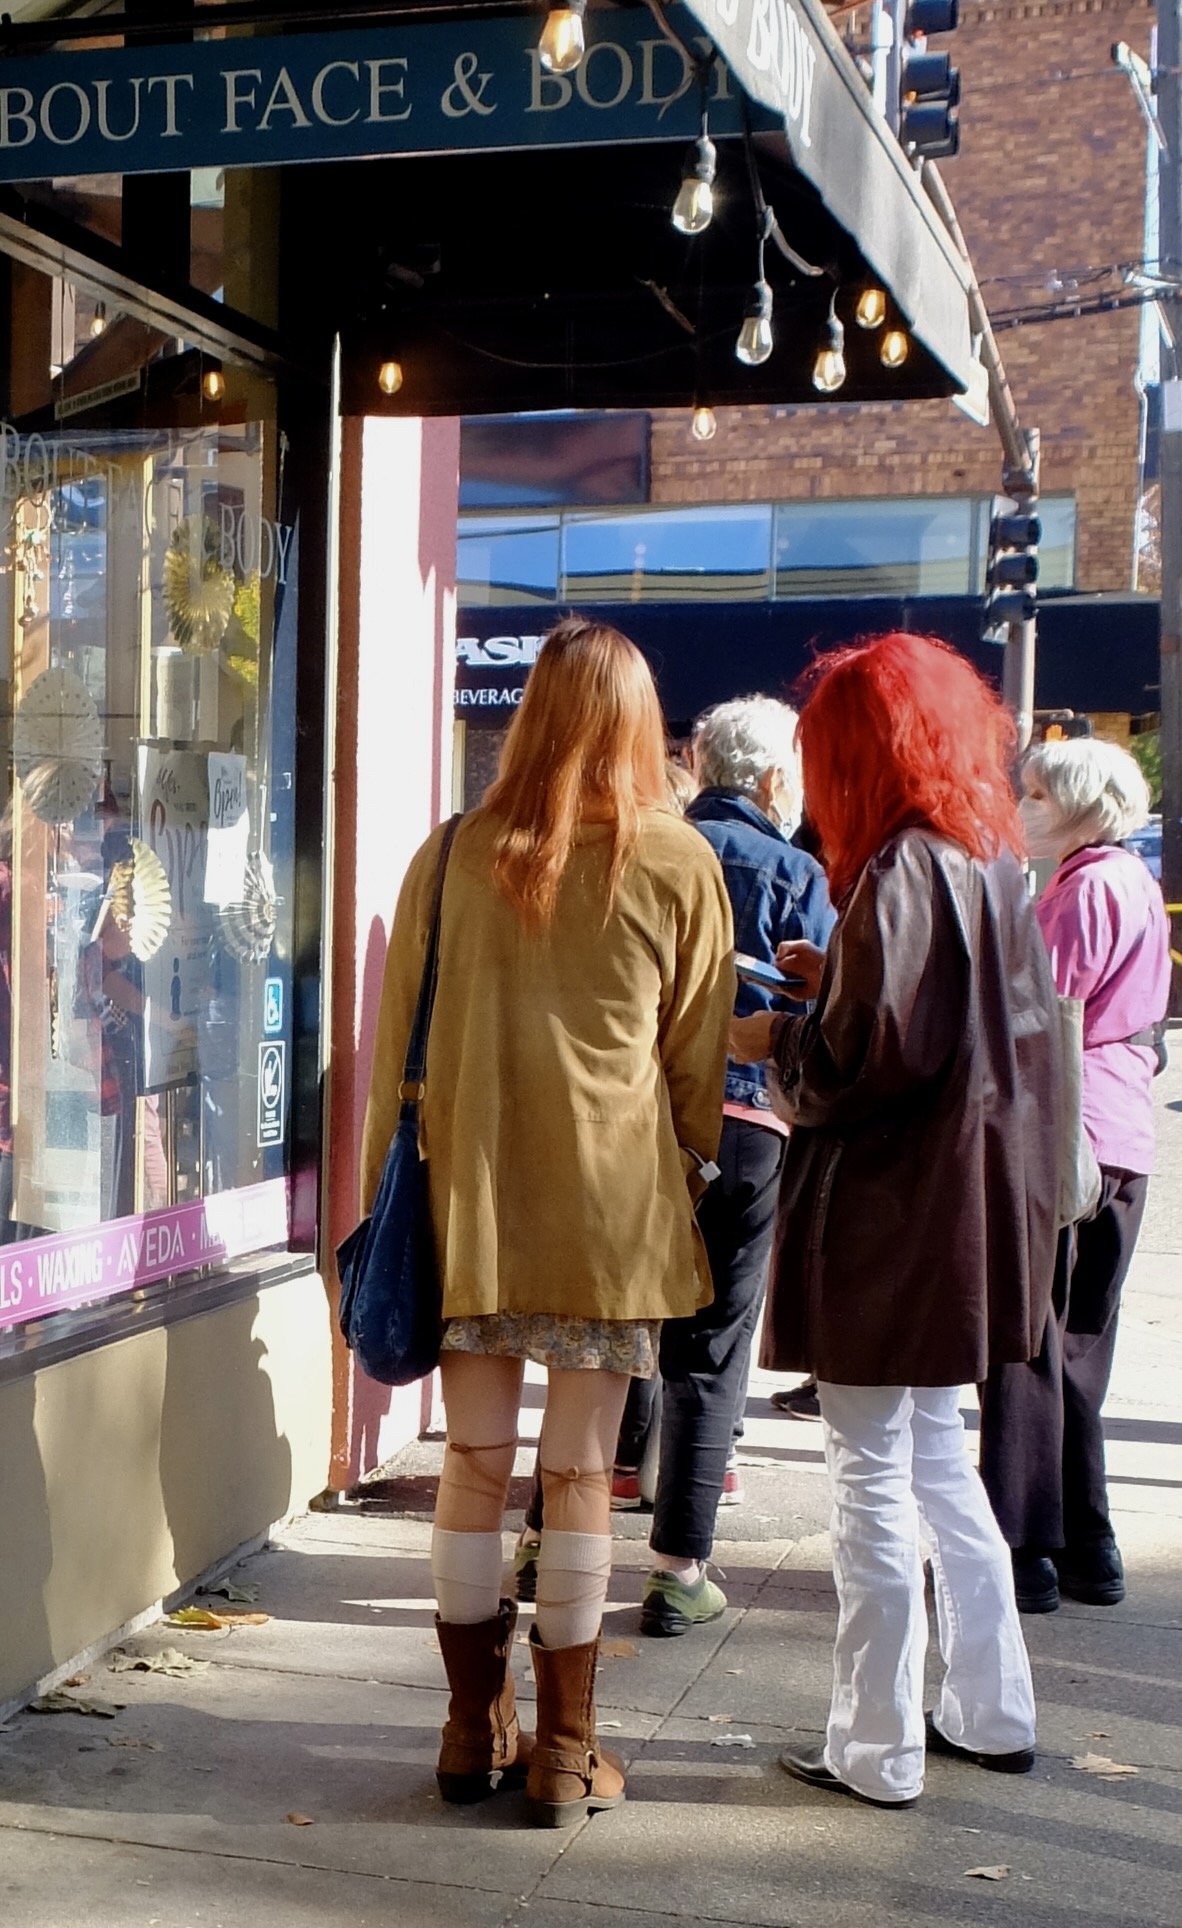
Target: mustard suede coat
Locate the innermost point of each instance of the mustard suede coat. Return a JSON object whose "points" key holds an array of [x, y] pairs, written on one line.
{"points": [[574, 1080]]}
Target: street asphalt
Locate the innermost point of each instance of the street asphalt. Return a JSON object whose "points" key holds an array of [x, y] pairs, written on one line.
{"points": [[288, 1780]]}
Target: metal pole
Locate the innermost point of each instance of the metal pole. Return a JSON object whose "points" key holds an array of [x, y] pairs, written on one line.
{"points": [[1020, 453], [894, 62], [1169, 188]]}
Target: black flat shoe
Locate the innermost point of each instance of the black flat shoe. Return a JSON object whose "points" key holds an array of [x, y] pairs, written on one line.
{"points": [[1019, 1762], [807, 1764], [1093, 1574], [1036, 1583]]}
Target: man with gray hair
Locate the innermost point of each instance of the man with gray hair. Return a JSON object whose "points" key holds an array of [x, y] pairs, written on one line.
{"points": [[749, 805]]}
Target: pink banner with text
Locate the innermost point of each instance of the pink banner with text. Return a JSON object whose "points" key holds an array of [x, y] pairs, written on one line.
{"points": [[77, 1268]]}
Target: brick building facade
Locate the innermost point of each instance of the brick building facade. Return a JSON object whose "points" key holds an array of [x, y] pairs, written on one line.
{"points": [[1049, 184]]}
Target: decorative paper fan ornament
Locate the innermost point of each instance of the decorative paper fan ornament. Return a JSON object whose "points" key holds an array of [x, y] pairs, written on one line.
{"points": [[141, 901], [198, 589], [248, 926], [57, 746]]}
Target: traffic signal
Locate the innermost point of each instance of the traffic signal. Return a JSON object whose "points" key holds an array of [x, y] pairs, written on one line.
{"points": [[929, 85], [1011, 571]]}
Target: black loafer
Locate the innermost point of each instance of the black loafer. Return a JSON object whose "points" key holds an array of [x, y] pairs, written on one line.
{"points": [[1020, 1762], [1094, 1574], [1036, 1582], [807, 1764]]}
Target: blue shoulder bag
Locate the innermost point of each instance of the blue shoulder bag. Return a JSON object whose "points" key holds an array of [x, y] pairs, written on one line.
{"points": [[391, 1310]]}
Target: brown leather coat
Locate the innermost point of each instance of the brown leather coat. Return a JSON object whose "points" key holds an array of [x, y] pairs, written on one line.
{"points": [[915, 1241]]}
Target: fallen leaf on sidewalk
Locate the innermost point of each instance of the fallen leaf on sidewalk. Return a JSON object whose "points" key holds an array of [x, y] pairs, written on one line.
{"points": [[608, 1723], [998, 1873], [1101, 1734], [134, 1740], [76, 1680], [732, 1670], [170, 1660], [301, 1820], [242, 1596], [618, 1650], [731, 1740], [59, 1703], [206, 1620], [1100, 1765]]}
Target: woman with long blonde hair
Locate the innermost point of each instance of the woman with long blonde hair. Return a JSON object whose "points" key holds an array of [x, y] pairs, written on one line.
{"points": [[571, 1114]]}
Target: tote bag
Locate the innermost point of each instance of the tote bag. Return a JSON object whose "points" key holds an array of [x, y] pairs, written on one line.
{"points": [[391, 1312]]}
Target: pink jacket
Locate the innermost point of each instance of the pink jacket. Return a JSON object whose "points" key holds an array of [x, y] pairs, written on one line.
{"points": [[1104, 922]]}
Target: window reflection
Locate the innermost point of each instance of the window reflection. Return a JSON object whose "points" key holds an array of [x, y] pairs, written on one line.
{"points": [[673, 555]]}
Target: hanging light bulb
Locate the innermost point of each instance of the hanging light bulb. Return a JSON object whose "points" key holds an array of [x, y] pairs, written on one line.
{"points": [[871, 309], [390, 377], [213, 385], [756, 341], [704, 426], [693, 209], [829, 367], [98, 321], [895, 348], [563, 41]]}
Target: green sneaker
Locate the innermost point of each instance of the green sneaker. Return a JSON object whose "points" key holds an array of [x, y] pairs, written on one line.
{"points": [[670, 1607], [525, 1572]]}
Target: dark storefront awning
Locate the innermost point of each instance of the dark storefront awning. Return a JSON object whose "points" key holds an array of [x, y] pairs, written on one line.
{"points": [[505, 233], [1095, 653], [789, 58]]}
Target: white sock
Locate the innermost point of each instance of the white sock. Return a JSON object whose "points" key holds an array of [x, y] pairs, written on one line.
{"points": [[466, 1569], [573, 1572]]}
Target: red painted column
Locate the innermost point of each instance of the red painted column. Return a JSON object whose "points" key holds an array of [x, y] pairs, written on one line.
{"points": [[396, 672]]}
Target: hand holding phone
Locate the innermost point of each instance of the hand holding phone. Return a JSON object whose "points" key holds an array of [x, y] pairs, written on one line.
{"points": [[754, 971]]}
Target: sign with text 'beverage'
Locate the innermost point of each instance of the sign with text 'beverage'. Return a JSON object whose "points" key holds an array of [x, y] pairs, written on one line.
{"points": [[430, 87]]}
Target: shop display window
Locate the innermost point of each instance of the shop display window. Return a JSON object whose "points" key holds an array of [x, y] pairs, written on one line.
{"points": [[147, 623]]}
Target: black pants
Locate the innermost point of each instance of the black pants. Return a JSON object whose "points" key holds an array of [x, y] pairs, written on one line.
{"points": [[705, 1360], [1042, 1438]]}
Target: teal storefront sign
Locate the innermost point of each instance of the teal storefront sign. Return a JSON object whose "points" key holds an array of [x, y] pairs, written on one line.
{"points": [[431, 87]]}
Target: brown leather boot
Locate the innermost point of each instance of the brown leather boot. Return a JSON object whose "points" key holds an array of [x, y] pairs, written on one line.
{"points": [[570, 1775], [481, 1736]]}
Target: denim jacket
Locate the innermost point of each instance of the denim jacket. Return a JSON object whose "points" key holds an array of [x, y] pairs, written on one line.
{"points": [[777, 892]]}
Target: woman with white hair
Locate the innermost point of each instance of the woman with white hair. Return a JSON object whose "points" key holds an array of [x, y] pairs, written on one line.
{"points": [[749, 804], [1042, 1439]]}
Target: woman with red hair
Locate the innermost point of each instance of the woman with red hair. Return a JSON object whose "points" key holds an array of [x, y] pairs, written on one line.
{"points": [[916, 1236]]}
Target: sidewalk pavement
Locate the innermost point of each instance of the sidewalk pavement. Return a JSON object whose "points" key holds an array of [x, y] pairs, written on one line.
{"points": [[289, 1780]]}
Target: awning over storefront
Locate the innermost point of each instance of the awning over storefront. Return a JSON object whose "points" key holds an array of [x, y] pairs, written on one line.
{"points": [[427, 89], [1095, 653]]}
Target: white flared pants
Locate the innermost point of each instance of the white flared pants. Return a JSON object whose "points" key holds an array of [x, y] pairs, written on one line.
{"points": [[897, 1458]]}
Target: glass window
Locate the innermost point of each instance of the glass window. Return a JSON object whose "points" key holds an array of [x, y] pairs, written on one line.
{"points": [[506, 559], [668, 555], [1056, 551], [147, 604], [916, 546]]}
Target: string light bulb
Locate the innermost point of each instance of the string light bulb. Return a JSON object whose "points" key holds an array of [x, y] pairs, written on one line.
{"points": [[213, 385], [693, 209], [895, 348], [98, 321], [390, 377], [871, 309], [756, 341], [563, 41], [829, 368], [704, 426]]}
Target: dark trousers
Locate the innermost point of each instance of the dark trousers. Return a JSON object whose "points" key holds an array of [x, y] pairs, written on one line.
{"points": [[1042, 1438], [705, 1360]]}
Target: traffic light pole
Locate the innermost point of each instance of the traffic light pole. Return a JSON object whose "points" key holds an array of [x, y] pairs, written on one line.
{"points": [[1020, 454], [1169, 187]]}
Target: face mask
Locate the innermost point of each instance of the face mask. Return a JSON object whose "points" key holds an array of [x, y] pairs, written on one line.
{"points": [[1044, 830], [781, 812]]}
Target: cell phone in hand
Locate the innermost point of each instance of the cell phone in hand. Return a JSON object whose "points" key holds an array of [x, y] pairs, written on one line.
{"points": [[765, 975]]}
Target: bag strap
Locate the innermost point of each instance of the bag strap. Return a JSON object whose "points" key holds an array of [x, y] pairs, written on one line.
{"points": [[410, 1091]]}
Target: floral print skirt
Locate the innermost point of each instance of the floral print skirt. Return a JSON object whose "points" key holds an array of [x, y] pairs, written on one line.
{"points": [[570, 1345]]}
